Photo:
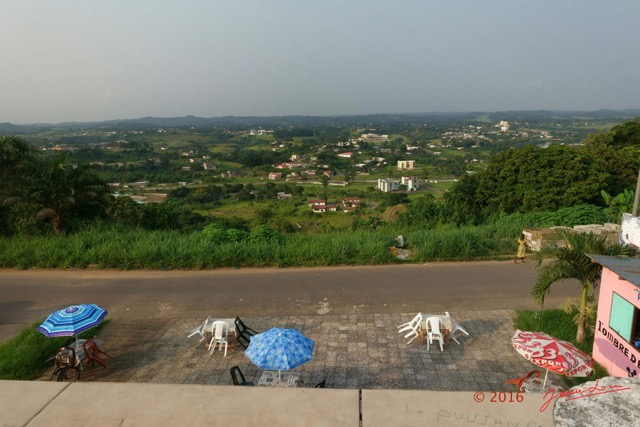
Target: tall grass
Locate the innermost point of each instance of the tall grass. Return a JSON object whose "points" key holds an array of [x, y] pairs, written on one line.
{"points": [[139, 249], [129, 248], [454, 244]]}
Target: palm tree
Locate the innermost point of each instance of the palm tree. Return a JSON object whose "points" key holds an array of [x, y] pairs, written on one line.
{"points": [[15, 156], [13, 151], [57, 191], [569, 261]]}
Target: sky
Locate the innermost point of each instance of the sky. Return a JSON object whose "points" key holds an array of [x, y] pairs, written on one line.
{"points": [[78, 60]]}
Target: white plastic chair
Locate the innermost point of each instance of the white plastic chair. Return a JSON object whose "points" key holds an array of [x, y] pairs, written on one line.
{"points": [[410, 324], [413, 328], [199, 331], [219, 335], [434, 324], [415, 333], [455, 327]]}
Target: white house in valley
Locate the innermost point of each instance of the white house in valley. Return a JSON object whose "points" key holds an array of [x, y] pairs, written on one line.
{"points": [[411, 182], [387, 184]]}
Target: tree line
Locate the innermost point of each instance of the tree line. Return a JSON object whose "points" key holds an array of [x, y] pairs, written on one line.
{"points": [[541, 179]]}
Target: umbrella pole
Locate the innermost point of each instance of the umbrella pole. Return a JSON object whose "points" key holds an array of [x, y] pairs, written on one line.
{"points": [[75, 344], [545, 378]]}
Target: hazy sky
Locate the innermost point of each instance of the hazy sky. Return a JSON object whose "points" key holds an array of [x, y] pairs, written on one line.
{"points": [[79, 60]]}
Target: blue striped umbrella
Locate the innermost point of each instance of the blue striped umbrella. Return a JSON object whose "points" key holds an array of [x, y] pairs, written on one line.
{"points": [[279, 349], [72, 320]]}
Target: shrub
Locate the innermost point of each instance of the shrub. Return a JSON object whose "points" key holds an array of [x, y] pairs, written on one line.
{"points": [[568, 217], [215, 233], [235, 235], [263, 233], [218, 234]]}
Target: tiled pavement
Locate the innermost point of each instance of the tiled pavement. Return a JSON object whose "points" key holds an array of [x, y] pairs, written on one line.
{"points": [[352, 351]]}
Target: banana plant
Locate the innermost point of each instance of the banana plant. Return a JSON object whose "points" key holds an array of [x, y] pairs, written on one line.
{"points": [[623, 202]]}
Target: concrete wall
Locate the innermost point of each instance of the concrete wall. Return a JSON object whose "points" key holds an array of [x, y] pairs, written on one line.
{"points": [[538, 237]]}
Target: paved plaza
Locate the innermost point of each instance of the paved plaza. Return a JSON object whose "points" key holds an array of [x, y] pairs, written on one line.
{"points": [[355, 351]]}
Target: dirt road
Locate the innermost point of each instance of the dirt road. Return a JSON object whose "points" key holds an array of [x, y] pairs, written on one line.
{"points": [[28, 296]]}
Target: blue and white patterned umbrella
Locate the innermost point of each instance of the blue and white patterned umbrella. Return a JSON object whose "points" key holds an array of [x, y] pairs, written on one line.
{"points": [[279, 349], [72, 320]]}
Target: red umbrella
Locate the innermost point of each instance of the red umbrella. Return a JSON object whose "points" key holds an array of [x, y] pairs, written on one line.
{"points": [[553, 354]]}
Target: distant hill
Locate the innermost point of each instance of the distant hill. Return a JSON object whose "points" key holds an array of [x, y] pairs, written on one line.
{"points": [[310, 121], [9, 128]]}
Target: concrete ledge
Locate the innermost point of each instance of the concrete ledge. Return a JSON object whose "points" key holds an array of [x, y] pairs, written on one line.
{"points": [[122, 404], [20, 401], [52, 404]]}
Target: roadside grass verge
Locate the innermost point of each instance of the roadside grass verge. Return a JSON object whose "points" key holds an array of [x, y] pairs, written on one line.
{"points": [[361, 243], [25, 356], [139, 249], [559, 324]]}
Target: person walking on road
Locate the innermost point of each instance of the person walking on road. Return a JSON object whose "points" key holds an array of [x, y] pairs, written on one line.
{"points": [[522, 247]]}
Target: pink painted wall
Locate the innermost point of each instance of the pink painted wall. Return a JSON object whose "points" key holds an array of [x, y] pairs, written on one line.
{"points": [[619, 357]]}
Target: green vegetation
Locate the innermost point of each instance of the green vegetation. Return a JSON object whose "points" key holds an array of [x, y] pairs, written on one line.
{"points": [[25, 356], [363, 242], [163, 250], [46, 190], [559, 324], [137, 249], [619, 204], [523, 181]]}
